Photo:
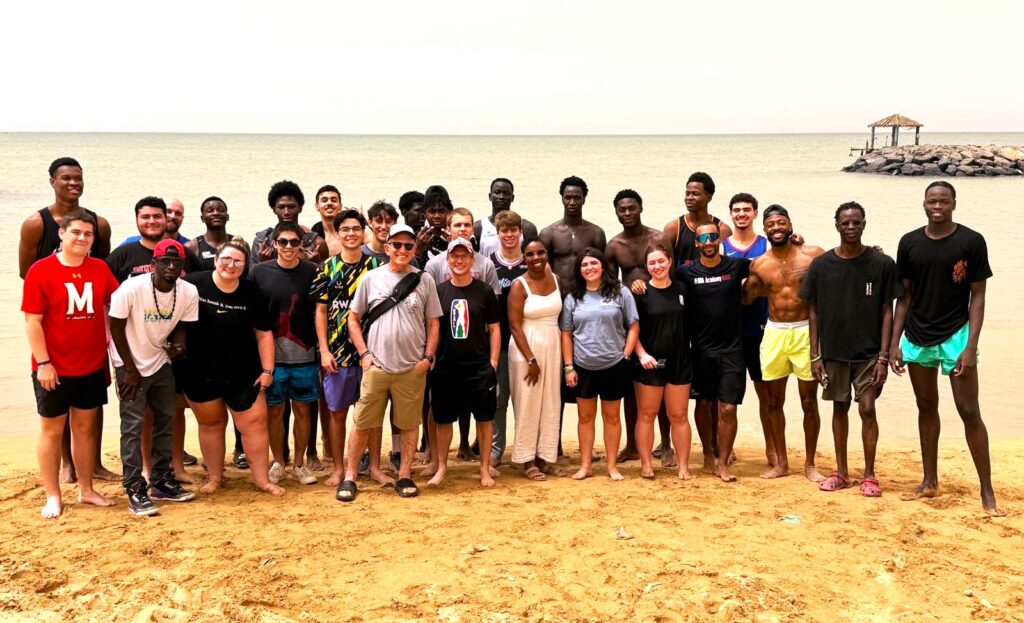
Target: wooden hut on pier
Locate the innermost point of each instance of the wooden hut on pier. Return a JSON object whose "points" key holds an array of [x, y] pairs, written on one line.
{"points": [[896, 122]]}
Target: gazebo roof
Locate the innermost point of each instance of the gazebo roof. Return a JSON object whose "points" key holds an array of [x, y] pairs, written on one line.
{"points": [[896, 120]]}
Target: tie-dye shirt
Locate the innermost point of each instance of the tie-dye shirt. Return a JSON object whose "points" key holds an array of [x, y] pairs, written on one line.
{"points": [[334, 286]]}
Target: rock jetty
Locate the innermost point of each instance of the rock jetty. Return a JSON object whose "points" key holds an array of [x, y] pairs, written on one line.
{"points": [[943, 160]]}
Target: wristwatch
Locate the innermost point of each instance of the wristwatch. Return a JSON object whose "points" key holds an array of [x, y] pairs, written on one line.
{"points": [[532, 361], [429, 358]]}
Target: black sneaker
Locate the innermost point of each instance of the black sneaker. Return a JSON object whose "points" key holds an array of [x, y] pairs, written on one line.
{"points": [[190, 460], [170, 489], [138, 500], [396, 460], [364, 464], [241, 461]]}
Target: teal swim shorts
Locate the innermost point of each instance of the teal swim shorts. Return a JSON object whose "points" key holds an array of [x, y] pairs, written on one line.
{"points": [[944, 354]]}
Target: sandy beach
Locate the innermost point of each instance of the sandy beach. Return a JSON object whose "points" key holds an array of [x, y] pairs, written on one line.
{"points": [[524, 551]]}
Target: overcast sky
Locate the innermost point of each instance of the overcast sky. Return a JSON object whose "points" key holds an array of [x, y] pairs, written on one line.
{"points": [[531, 67]]}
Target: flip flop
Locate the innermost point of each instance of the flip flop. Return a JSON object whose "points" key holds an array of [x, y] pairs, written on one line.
{"points": [[835, 482], [347, 491], [406, 483], [870, 488], [534, 473]]}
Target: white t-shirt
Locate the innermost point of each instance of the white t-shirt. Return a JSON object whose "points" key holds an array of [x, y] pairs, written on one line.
{"points": [[147, 330]]}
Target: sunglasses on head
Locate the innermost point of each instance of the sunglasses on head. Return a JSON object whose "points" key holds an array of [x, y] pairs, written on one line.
{"points": [[708, 237], [288, 242], [398, 246]]}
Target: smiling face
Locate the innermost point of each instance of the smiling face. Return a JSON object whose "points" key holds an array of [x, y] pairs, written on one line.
{"points": [[77, 238], [380, 225], [68, 184], [778, 229], [351, 233], [850, 224], [707, 238], [460, 261], [168, 268], [461, 227], [175, 217], [288, 246], [591, 270], [230, 263], [743, 214], [400, 249], [696, 197], [628, 210], [152, 223], [437, 215], [509, 237], [328, 204], [939, 205], [536, 257], [658, 264], [287, 209], [573, 200], [214, 214]]}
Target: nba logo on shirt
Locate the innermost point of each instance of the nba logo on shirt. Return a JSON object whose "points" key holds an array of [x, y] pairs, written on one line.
{"points": [[460, 319]]}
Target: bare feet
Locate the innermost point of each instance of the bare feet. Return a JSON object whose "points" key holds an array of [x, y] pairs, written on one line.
{"points": [[381, 478], [533, 473], [582, 474], [428, 470], [615, 475], [271, 488], [725, 474], [684, 474], [551, 469], [466, 454], [647, 472], [93, 497], [770, 455], [102, 473], [812, 474], [995, 512], [668, 458], [493, 471], [335, 478], [732, 458], [922, 491], [438, 478], [627, 454], [314, 463], [422, 458], [486, 480], [210, 486], [709, 466], [67, 475], [184, 477], [776, 472], [53, 508]]}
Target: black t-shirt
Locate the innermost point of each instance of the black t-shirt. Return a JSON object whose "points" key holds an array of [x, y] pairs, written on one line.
{"points": [[663, 333], [222, 345], [507, 274], [129, 260], [713, 299], [849, 295], [286, 292], [464, 350], [941, 273]]}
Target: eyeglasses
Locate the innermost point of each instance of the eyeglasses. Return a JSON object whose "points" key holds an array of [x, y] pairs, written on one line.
{"points": [[349, 230], [230, 261], [165, 262], [708, 237], [398, 246], [288, 242]]}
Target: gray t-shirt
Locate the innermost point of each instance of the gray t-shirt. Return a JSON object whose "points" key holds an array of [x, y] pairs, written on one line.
{"points": [[398, 338], [598, 326], [483, 270]]}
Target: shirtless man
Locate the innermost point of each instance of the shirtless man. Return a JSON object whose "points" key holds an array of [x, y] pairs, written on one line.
{"points": [[680, 232], [328, 205], [501, 196], [625, 252], [785, 347], [40, 238]]}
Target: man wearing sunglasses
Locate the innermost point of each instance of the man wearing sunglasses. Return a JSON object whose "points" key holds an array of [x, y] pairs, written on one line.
{"points": [[786, 346], [286, 200], [285, 283], [713, 290], [147, 326]]}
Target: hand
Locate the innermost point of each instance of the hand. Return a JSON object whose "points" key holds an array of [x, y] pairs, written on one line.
{"points": [[648, 362], [818, 370], [796, 239], [266, 251], [966, 362], [638, 287], [532, 374], [422, 366], [312, 254], [47, 376], [877, 248], [174, 349], [896, 360], [367, 361], [327, 362], [265, 381], [879, 375], [423, 240], [128, 387], [571, 378]]}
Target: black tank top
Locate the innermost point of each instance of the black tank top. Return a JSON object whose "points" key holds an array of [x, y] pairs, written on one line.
{"points": [[207, 254], [49, 242], [685, 251]]}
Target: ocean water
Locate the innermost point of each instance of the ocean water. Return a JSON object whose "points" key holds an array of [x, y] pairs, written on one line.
{"points": [[802, 172]]}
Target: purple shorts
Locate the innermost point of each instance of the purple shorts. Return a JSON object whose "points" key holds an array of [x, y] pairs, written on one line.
{"points": [[341, 388]]}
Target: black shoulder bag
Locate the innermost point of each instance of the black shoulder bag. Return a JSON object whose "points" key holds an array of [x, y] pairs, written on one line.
{"points": [[402, 290]]}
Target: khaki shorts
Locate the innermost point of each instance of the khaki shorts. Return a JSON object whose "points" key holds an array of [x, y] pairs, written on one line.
{"points": [[842, 374], [406, 392]]}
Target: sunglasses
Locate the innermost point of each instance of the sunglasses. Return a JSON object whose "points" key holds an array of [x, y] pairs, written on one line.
{"points": [[165, 262], [288, 242], [708, 237], [398, 246]]}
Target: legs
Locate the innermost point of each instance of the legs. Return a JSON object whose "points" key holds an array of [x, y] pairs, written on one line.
{"points": [[465, 450], [965, 396], [812, 425], [440, 444], [587, 409], [677, 401], [703, 417], [761, 389], [99, 472], [500, 438], [726, 437], [632, 412], [84, 435], [484, 432], [178, 442], [302, 427], [649, 399], [668, 457], [926, 391], [612, 435], [253, 424], [337, 446], [840, 432], [212, 418], [276, 432], [49, 450], [777, 425]]}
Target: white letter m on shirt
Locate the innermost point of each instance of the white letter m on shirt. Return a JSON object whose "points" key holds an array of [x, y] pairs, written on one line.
{"points": [[79, 302]]}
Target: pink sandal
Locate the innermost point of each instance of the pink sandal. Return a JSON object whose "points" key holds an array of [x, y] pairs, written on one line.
{"points": [[835, 482], [870, 488]]}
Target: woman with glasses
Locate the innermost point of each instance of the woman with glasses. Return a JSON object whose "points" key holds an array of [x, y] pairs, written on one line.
{"points": [[599, 332], [229, 365], [534, 356]]}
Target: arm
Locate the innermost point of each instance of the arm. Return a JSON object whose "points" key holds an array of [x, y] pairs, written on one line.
{"points": [[495, 333], [101, 247], [478, 228], [968, 359], [602, 241], [724, 230], [753, 287], [899, 320], [671, 231], [47, 374], [265, 342], [175, 346], [355, 335], [433, 334], [570, 376], [318, 252], [609, 254], [129, 387], [326, 358], [632, 337], [516, 300], [882, 365], [817, 365], [31, 232]]}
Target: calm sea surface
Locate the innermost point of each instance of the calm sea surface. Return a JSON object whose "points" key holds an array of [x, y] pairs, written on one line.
{"points": [[801, 172]]}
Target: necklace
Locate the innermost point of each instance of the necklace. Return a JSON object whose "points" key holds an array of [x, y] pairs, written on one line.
{"points": [[156, 302]]}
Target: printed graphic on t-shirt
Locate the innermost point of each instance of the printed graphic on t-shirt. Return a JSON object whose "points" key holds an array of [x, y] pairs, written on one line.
{"points": [[960, 271], [80, 305], [460, 319]]}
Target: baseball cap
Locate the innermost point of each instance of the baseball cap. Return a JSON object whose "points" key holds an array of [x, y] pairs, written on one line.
{"points": [[165, 245], [460, 242], [399, 228], [774, 210]]}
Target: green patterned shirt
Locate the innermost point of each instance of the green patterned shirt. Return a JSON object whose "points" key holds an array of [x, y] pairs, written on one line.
{"points": [[334, 285]]}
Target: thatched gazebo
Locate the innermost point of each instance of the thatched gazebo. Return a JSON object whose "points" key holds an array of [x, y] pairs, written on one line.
{"points": [[896, 122]]}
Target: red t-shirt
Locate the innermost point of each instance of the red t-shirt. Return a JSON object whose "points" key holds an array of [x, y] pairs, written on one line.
{"points": [[71, 300]]}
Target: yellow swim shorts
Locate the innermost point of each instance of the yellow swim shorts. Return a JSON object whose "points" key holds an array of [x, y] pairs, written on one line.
{"points": [[785, 350]]}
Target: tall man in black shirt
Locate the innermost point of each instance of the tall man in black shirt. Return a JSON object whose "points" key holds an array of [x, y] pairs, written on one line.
{"points": [[714, 290], [850, 290], [943, 267]]}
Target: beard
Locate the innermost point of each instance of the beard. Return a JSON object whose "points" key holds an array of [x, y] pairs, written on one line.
{"points": [[781, 243]]}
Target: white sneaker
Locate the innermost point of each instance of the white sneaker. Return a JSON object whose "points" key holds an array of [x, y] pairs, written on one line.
{"points": [[276, 472], [303, 475]]}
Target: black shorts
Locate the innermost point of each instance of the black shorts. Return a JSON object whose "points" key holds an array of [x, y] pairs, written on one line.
{"points": [[608, 384], [81, 392], [752, 356], [455, 397], [674, 373], [239, 394], [720, 376]]}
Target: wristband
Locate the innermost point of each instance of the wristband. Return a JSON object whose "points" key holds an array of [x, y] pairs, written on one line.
{"points": [[40, 364], [814, 359], [567, 369], [365, 354], [270, 372], [532, 361]]}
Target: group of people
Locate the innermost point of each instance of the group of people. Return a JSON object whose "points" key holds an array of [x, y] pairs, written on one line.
{"points": [[449, 319]]}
